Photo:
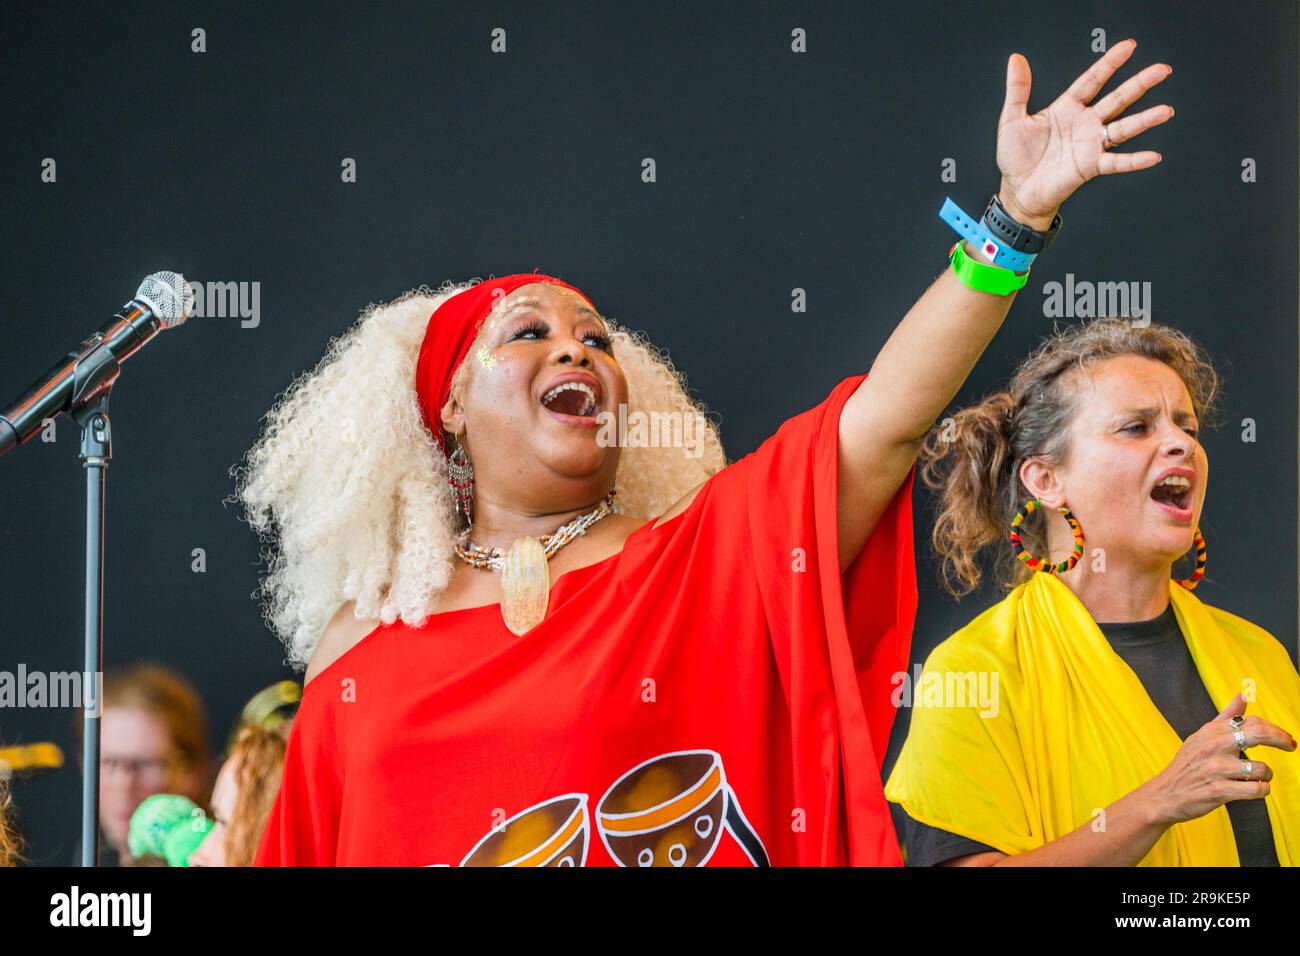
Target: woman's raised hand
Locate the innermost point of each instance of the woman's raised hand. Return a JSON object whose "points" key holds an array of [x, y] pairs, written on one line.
{"points": [[1045, 157], [1207, 770]]}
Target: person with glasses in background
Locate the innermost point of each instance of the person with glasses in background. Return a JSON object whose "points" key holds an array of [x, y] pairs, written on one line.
{"points": [[153, 739]]}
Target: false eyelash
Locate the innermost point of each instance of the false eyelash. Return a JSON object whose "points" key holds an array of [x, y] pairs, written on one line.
{"points": [[542, 329], [531, 327]]}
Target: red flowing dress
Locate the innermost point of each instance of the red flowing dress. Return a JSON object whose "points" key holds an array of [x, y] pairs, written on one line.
{"points": [[716, 692]]}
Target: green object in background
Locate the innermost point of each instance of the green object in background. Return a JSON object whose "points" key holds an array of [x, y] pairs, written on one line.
{"points": [[168, 826]]}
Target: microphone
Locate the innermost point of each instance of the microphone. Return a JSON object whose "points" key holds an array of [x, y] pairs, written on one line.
{"points": [[163, 300]]}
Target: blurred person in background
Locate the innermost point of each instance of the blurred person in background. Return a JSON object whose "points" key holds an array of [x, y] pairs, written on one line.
{"points": [[243, 796], [250, 778], [153, 739]]}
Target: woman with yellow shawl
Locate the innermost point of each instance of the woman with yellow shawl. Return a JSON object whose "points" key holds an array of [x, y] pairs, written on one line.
{"points": [[1129, 722]]}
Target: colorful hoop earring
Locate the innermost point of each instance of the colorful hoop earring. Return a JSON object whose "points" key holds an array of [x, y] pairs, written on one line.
{"points": [[1036, 564], [1199, 544]]}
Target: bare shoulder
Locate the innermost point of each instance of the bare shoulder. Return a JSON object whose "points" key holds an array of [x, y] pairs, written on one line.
{"points": [[681, 504], [341, 635]]}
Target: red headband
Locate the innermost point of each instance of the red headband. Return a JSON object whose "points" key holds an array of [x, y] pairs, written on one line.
{"points": [[451, 331]]}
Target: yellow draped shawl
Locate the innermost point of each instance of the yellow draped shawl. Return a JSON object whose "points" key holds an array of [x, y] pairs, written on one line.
{"points": [[1074, 730]]}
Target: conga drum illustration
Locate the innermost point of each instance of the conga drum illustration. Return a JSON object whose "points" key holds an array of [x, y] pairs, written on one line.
{"points": [[553, 833], [670, 810]]}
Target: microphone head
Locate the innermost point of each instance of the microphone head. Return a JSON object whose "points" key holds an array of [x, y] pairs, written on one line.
{"points": [[168, 295]]}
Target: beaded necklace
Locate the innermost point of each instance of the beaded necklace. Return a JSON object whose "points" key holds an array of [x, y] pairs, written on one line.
{"points": [[525, 573]]}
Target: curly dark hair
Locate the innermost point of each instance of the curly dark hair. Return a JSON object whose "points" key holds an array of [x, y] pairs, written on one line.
{"points": [[973, 461]]}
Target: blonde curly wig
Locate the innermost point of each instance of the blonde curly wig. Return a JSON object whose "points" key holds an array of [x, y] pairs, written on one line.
{"points": [[347, 489]]}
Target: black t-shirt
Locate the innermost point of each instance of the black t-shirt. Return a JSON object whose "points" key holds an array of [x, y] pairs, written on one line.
{"points": [[1159, 656]]}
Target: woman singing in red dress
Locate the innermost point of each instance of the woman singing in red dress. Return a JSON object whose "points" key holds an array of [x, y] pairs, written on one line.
{"points": [[544, 621]]}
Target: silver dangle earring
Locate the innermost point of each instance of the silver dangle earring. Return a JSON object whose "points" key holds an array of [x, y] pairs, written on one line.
{"points": [[460, 474]]}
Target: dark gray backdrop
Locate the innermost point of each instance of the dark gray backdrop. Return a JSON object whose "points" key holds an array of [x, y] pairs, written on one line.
{"points": [[775, 170]]}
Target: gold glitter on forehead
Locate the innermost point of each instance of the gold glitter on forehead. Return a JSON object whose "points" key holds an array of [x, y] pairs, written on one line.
{"points": [[485, 357], [502, 309], [579, 296]]}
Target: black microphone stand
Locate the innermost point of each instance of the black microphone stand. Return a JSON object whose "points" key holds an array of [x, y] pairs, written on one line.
{"points": [[80, 384], [96, 373]]}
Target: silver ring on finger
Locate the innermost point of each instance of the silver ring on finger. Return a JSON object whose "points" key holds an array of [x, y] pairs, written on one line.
{"points": [[1247, 769], [1238, 734], [1107, 144]]}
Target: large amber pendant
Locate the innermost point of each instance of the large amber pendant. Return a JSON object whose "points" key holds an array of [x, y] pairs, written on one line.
{"points": [[525, 585]]}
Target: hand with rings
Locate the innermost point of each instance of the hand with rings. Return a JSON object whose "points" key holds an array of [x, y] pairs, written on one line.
{"points": [[1212, 767]]}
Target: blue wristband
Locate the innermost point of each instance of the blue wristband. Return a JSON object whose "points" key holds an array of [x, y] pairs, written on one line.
{"points": [[979, 234]]}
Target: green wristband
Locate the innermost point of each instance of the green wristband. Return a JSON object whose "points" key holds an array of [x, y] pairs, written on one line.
{"points": [[983, 277]]}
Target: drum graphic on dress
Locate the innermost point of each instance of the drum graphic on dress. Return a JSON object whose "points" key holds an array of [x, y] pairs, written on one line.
{"points": [[553, 833], [670, 810]]}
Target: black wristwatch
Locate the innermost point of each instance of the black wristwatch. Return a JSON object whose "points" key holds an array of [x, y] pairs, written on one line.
{"points": [[1014, 234]]}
